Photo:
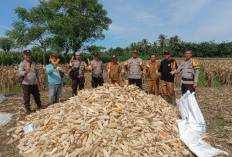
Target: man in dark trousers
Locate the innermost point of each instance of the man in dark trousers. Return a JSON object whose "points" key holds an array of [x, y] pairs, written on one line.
{"points": [[29, 74], [78, 77], [190, 72], [135, 68], [98, 75], [167, 66]]}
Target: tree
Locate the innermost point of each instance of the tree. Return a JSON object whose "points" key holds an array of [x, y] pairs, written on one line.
{"points": [[31, 28], [75, 22], [133, 46], [93, 48], [174, 43], [154, 46], [6, 44], [162, 39], [145, 45]]}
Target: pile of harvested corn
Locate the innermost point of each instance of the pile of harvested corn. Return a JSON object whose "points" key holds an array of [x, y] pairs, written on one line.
{"points": [[107, 121]]}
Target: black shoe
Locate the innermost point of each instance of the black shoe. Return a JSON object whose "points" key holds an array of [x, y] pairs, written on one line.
{"points": [[29, 112], [41, 107]]}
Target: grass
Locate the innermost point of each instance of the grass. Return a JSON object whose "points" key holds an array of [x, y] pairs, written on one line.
{"points": [[216, 81], [202, 82]]}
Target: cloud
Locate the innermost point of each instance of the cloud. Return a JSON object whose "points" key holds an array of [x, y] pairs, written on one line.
{"points": [[3, 27], [218, 26], [115, 29], [144, 17], [182, 11]]}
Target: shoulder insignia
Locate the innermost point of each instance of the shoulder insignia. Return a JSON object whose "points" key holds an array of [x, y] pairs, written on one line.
{"points": [[196, 64]]}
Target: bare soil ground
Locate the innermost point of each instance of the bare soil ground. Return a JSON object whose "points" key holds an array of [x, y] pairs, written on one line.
{"points": [[215, 104]]}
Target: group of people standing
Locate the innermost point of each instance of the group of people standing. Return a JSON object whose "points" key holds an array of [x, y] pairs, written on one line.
{"points": [[157, 73]]}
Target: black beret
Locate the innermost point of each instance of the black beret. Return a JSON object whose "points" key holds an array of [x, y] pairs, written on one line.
{"points": [[95, 53]]}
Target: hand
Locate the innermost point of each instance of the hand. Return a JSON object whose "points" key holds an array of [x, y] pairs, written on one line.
{"points": [[55, 65], [108, 70], [158, 73], [195, 85], [126, 63], [59, 68], [27, 71], [89, 67], [64, 83], [173, 72]]}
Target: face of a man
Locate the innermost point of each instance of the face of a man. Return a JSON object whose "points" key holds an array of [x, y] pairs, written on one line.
{"points": [[188, 55], [78, 57], [114, 60], [95, 57], [135, 55], [153, 58], [27, 57], [54, 59], [167, 56]]}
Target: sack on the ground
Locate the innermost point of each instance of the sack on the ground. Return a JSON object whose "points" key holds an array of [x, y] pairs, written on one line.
{"points": [[194, 141], [192, 125], [191, 112]]}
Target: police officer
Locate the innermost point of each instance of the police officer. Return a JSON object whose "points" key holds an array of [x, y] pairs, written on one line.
{"points": [[153, 76], [167, 66], [78, 77], [135, 68], [190, 72], [97, 71], [29, 74], [114, 70]]}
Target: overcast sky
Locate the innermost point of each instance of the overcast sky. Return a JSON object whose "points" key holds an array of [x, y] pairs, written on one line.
{"points": [[134, 20]]}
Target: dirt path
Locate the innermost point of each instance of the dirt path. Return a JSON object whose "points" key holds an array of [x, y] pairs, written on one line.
{"points": [[215, 103]]}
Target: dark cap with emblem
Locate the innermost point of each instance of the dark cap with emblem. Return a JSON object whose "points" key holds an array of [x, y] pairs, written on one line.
{"points": [[135, 51], [95, 54], [167, 52], [27, 52]]}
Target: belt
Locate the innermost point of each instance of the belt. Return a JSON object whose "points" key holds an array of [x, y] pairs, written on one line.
{"points": [[186, 79]]}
